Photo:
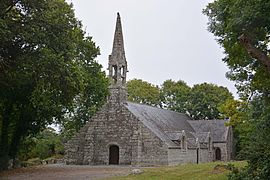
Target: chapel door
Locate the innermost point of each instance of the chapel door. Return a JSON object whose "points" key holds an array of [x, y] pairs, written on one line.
{"points": [[218, 154], [114, 155]]}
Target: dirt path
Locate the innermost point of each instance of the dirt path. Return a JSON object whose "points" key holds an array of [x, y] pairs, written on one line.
{"points": [[64, 172]]}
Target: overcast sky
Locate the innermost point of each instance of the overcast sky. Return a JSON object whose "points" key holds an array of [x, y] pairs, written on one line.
{"points": [[164, 39]]}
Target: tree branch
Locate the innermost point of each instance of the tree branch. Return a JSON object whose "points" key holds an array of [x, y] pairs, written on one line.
{"points": [[255, 52], [9, 8]]}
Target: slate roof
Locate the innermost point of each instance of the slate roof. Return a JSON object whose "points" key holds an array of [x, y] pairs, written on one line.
{"points": [[217, 129], [166, 124]]}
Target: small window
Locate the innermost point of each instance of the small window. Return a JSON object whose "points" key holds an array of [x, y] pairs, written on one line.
{"points": [[123, 71], [114, 73], [114, 70]]}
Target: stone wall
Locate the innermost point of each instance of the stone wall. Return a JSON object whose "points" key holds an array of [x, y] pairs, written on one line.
{"points": [[178, 156], [115, 125], [205, 156], [151, 150], [74, 148], [112, 127]]}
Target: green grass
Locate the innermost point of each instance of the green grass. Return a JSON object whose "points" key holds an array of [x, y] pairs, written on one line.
{"points": [[205, 171]]}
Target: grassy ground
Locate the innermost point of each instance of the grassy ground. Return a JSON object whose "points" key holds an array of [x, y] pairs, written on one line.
{"points": [[205, 171]]}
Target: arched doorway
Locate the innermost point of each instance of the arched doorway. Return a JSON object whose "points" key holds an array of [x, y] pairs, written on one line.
{"points": [[218, 154], [114, 154]]}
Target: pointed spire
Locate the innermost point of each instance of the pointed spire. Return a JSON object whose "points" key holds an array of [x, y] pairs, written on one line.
{"points": [[118, 42], [118, 67]]}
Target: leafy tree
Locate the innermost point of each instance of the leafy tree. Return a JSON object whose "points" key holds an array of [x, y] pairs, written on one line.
{"points": [[143, 92], [255, 147], [238, 112], [45, 144], [205, 99], [88, 101], [175, 95], [46, 64], [243, 28], [200, 102]]}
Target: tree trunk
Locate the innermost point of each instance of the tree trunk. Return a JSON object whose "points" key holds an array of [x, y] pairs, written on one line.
{"points": [[20, 130], [255, 52]]}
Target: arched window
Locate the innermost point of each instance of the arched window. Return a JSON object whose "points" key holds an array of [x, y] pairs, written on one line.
{"points": [[114, 73], [114, 154], [123, 71]]}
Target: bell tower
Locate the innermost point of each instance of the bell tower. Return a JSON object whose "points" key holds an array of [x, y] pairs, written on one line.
{"points": [[118, 67]]}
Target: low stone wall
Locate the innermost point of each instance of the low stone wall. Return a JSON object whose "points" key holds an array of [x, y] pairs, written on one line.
{"points": [[178, 156]]}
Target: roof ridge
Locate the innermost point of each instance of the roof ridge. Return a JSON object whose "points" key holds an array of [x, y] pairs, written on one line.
{"points": [[159, 108]]}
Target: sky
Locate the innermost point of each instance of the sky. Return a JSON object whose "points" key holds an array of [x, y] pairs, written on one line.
{"points": [[164, 39]]}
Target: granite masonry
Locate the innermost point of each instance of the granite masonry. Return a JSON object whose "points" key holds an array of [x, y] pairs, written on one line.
{"points": [[123, 132]]}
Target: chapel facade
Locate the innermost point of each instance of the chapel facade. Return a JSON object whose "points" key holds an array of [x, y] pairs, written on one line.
{"points": [[128, 133]]}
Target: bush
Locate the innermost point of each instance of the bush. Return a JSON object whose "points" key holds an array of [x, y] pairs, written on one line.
{"points": [[44, 145]]}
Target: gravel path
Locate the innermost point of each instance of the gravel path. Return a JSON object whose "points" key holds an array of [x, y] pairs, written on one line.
{"points": [[64, 172]]}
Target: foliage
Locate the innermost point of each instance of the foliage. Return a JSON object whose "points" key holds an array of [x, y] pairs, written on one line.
{"points": [[228, 20], [204, 171], [205, 99], [45, 144], [200, 102], [143, 92], [88, 101], [238, 112], [243, 28], [46, 64], [175, 95], [257, 143]]}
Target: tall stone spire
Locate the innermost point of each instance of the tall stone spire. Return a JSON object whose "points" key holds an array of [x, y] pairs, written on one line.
{"points": [[118, 66], [118, 41]]}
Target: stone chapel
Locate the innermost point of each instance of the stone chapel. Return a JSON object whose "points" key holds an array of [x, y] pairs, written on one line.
{"points": [[128, 133]]}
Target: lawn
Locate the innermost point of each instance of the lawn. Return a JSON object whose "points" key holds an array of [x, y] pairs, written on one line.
{"points": [[205, 171]]}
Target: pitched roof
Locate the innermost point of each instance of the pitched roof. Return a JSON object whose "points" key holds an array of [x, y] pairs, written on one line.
{"points": [[217, 128], [162, 122]]}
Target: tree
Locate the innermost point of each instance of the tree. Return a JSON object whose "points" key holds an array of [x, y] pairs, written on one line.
{"points": [[46, 64], [42, 145], [238, 112], [200, 102], [143, 92], [88, 101], [243, 28], [175, 95], [205, 99]]}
